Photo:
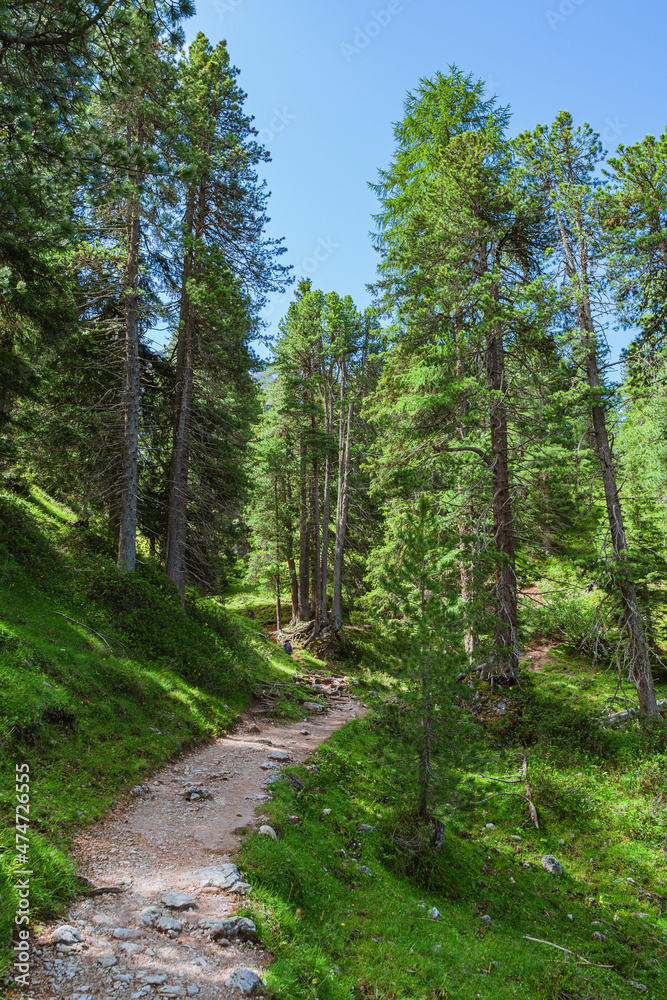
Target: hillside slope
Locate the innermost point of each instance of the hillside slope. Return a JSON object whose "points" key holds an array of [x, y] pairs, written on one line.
{"points": [[102, 678]]}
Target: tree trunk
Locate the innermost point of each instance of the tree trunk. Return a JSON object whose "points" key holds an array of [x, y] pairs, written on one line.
{"points": [[180, 453], [326, 510], [470, 640], [6, 348], [315, 521], [505, 656], [341, 521], [639, 652], [279, 619], [425, 747], [289, 552], [293, 582], [178, 486], [424, 776], [279, 622], [303, 532], [131, 398]]}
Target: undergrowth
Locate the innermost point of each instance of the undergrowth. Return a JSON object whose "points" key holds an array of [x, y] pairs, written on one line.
{"points": [[338, 931], [103, 678]]}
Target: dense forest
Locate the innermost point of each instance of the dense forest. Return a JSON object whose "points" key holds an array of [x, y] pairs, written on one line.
{"points": [[433, 486]]}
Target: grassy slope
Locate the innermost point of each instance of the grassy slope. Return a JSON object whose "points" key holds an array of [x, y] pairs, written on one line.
{"points": [[93, 712], [84, 716], [338, 932]]}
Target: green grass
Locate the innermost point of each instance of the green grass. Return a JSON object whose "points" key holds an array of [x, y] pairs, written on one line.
{"points": [[102, 679], [95, 701], [337, 932]]}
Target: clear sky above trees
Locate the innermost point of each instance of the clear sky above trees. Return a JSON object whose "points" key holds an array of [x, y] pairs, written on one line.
{"points": [[326, 81]]}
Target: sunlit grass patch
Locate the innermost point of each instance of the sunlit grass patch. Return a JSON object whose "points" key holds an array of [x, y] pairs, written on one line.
{"points": [[338, 931]]}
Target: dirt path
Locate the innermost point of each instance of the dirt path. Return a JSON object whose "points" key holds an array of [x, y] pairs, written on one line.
{"points": [[142, 942]]}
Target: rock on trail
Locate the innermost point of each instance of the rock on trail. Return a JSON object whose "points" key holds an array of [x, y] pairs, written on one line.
{"points": [[173, 930]]}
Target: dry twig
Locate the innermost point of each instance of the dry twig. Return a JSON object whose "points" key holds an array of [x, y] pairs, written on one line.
{"points": [[583, 961], [529, 795], [75, 622]]}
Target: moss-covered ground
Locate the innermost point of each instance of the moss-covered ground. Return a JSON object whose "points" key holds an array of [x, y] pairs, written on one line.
{"points": [[339, 931]]}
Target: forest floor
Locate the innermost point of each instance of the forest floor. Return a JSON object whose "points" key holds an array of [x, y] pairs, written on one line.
{"points": [[353, 901], [161, 843], [107, 688]]}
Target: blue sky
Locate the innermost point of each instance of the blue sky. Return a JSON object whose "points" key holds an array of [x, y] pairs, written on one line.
{"points": [[326, 81]]}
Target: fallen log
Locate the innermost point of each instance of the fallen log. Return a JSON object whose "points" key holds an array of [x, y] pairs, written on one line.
{"points": [[616, 717]]}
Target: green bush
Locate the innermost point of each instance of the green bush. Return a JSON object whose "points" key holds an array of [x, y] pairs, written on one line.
{"points": [[560, 609]]}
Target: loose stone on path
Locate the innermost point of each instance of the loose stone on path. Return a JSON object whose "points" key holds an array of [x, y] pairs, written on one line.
{"points": [[171, 858], [244, 980], [179, 901]]}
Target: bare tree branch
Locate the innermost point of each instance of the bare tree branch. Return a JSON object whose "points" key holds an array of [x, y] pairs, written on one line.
{"points": [[477, 451]]}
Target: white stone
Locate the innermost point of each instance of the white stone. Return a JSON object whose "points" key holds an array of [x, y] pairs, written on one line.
{"points": [[107, 961], [179, 901], [166, 924], [244, 980], [148, 916], [65, 934], [223, 876], [230, 928], [127, 934]]}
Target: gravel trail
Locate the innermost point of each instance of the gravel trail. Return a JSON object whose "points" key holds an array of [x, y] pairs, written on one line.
{"points": [[170, 850]]}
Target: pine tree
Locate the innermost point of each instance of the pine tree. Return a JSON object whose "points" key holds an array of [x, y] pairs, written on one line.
{"points": [[322, 360], [413, 577], [224, 258], [634, 215], [561, 161], [53, 60], [460, 244]]}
